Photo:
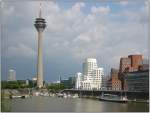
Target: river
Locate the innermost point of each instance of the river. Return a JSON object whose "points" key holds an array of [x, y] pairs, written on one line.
{"points": [[55, 104]]}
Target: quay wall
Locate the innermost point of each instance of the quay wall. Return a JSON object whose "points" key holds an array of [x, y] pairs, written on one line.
{"points": [[88, 93]]}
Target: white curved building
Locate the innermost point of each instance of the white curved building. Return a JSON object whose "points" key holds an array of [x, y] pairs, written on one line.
{"points": [[79, 79], [92, 76]]}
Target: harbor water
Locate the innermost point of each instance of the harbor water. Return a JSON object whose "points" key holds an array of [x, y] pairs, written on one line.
{"points": [[55, 104]]}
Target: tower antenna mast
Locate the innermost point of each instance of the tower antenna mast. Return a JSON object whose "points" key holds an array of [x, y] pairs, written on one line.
{"points": [[40, 10]]}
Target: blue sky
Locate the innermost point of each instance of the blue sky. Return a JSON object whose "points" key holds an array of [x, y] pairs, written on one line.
{"points": [[75, 30]]}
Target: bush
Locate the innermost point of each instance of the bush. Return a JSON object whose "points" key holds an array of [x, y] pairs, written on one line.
{"points": [[56, 86]]}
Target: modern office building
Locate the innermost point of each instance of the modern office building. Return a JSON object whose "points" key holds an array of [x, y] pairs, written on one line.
{"points": [[137, 81], [68, 83], [40, 25], [92, 77], [11, 75]]}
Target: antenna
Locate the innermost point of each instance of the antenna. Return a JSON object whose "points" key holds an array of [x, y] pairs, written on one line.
{"points": [[40, 10]]}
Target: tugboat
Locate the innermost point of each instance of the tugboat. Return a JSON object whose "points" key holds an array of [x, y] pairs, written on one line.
{"points": [[113, 98]]}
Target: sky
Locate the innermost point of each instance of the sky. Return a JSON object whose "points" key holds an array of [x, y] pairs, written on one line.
{"points": [[75, 30]]}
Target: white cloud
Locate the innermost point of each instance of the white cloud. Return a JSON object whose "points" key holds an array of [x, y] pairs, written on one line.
{"points": [[124, 2], [101, 9], [53, 7], [77, 7]]}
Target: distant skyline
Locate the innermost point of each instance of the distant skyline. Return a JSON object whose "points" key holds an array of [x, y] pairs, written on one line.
{"points": [[75, 31]]}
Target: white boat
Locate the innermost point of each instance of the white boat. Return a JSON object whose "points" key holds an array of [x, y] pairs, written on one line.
{"points": [[69, 95], [45, 94], [65, 96], [36, 93], [60, 95], [15, 96], [19, 96], [113, 98], [75, 96]]}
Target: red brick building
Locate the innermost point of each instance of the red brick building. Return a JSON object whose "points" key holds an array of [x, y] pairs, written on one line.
{"points": [[130, 64], [125, 63], [114, 80], [136, 61]]}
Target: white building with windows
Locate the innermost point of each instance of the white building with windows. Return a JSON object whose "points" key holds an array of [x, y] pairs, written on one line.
{"points": [[92, 76], [11, 75], [79, 79]]}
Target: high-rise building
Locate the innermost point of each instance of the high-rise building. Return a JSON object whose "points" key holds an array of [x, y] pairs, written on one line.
{"points": [[92, 78], [12, 75], [40, 25]]}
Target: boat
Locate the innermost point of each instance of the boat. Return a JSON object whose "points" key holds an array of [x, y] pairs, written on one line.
{"points": [[113, 98], [65, 96], [45, 94], [75, 96], [19, 96], [25, 96], [15, 96], [60, 95]]}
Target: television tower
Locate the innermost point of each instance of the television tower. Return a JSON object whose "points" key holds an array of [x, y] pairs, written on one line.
{"points": [[40, 25]]}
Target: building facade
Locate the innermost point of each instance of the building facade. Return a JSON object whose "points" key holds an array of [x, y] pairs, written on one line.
{"points": [[115, 82], [92, 78], [131, 63], [125, 63], [79, 79], [136, 61], [137, 81], [88, 66], [11, 75], [68, 83]]}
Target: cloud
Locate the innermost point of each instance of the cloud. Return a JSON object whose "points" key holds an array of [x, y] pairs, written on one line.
{"points": [[124, 2], [101, 10], [77, 7], [8, 11], [21, 50]]}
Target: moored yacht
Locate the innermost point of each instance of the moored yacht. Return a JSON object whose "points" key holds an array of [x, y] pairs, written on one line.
{"points": [[113, 98]]}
